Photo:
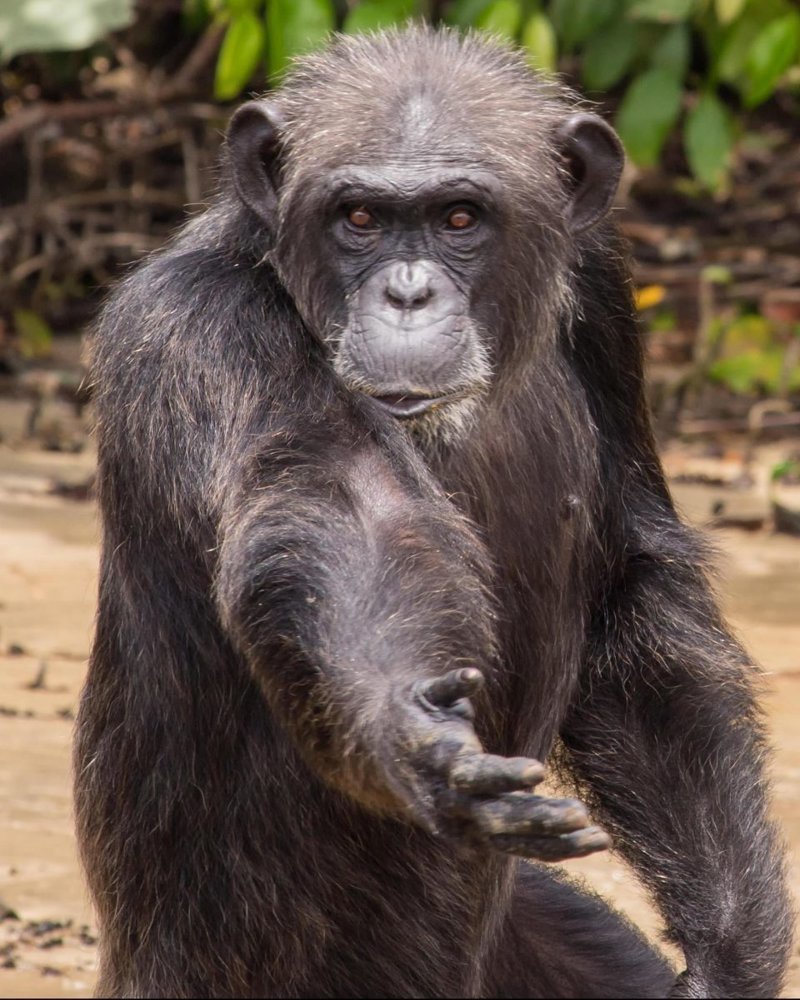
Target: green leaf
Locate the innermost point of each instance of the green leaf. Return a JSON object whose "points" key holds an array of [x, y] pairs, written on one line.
{"points": [[239, 56], [295, 27], [371, 15], [742, 374], [464, 13], [782, 470], [710, 32], [236, 7], [195, 15], [716, 274], [577, 20], [35, 336], [647, 114], [728, 10], [608, 55], [751, 330], [672, 51], [751, 370], [738, 40], [539, 40], [502, 17], [772, 53], [665, 11], [58, 25], [708, 139]]}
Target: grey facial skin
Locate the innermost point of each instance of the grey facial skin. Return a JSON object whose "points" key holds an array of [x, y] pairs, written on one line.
{"points": [[385, 535], [411, 339], [410, 335]]}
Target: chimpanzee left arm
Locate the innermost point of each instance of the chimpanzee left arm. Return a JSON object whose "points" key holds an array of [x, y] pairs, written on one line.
{"points": [[668, 745]]}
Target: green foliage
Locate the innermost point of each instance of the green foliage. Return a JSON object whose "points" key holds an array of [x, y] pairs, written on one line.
{"points": [[774, 50], [728, 10], [752, 358], [608, 55], [717, 274], [58, 25], [647, 114], [577, 20], [540, 42], [708, 137], [370, 15], [748, 372], [271, 34], [788, 469], [465, 13], [694, 66], [672, 51], [237, 7], [241, 52], [671, 57], [730, 46], [295, 27], [35, 336], [662, 11], [501, 17]]}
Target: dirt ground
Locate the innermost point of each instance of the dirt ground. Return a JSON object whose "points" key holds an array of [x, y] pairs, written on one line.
{"points": [[48, 574]]}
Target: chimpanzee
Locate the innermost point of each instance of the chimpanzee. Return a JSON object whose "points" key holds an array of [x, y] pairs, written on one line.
{"points": [[384, 528]]}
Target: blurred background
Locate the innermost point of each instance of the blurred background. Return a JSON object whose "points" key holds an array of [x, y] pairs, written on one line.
{"points": [[111, 117]]}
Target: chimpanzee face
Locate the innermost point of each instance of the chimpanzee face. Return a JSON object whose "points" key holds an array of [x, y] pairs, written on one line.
{"points": [[408, 248], [403, 265]]}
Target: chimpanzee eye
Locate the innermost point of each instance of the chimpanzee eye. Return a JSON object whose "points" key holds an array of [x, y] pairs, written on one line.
{"points": [[461, 218], [361, 218]]}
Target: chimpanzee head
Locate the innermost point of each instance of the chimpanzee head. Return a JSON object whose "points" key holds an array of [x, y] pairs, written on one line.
{"points": [[422, 205]]}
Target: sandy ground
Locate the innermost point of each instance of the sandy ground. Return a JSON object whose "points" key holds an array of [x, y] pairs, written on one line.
{"points": [[48, 566]]}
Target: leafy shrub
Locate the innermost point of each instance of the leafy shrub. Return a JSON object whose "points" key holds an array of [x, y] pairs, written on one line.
{"points": [[674, 58], [58, 25], [691, 65], [752, 357]]}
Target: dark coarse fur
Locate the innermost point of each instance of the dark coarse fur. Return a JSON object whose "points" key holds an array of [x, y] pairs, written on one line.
{"points": [[279, 555]]}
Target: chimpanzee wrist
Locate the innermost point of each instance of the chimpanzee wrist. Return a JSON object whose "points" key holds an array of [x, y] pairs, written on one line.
{"points": [[717, 976], [689, 984]]}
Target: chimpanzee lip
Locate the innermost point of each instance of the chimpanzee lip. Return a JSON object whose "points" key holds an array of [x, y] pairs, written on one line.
{"points": [[408, 404]]}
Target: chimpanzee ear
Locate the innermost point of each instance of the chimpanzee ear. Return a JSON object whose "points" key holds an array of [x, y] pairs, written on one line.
{"points": [[253, 146], [594, 157]]}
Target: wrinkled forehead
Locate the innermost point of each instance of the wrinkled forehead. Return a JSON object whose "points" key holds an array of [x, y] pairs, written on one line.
{"points": [[410, 125], [425, 179], [416, 141]]}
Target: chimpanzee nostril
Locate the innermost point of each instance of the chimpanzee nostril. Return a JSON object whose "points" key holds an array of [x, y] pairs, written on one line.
{"points": [[408, 286], [422, 298]]}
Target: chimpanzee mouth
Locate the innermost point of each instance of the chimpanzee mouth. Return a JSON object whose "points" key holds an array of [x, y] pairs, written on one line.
{"points": [[408, 404]]}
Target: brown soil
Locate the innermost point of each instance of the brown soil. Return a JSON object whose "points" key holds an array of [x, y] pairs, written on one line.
{"points": [[48, 565]]}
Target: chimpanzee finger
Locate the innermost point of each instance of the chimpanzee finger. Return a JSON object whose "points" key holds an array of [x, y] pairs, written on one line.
{"points": [[528, 816], [486, 773], [569, 845], [452, 687]]}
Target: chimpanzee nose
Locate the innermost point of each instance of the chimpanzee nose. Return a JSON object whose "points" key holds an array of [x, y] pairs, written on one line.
{"points": [[409, 285]]}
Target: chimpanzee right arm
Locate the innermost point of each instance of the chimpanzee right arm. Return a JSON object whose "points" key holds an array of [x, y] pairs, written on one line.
{"points": [[359, 599], [354, 591]]}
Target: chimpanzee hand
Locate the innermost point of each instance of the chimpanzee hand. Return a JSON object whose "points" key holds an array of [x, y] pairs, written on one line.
{"points": [[455, 789]]}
